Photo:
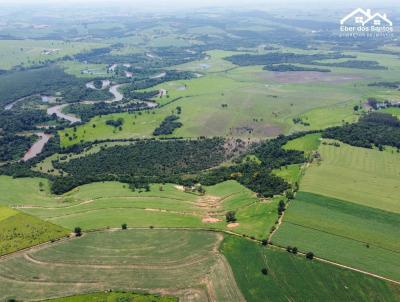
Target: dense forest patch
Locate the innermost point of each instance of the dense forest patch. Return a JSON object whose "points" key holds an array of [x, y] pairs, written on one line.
{"points": [[144, 160], [168, 125], [282, 58], [46, 80], [13, 147], [375, 129], [291, 67]]}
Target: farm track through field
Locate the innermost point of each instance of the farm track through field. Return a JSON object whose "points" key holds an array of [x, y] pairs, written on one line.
{"points": [[99, 198], [162, 266], [125, 208]]}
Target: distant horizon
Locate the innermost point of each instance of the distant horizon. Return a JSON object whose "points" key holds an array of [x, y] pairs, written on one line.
{"points": [[179, 4]]}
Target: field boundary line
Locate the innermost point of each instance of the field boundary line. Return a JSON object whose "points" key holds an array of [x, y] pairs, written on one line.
{"points": [[341, 236], [341, 265]]}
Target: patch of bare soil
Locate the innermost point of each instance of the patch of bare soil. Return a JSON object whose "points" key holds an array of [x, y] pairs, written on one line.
{"points": [[259, 129], [308, 77], [233, 225], [209, 202], [210, 220], [180, 188]]}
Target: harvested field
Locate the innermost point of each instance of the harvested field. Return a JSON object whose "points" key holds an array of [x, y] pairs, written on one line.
{"points": [[182, 263]]}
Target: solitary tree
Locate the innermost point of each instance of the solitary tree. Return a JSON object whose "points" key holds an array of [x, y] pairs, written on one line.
{"points": [[264, 242], [230, 216], [289, 248], [264, 271], [78, 231], [124, 226], [310, 255], [294, 250]]}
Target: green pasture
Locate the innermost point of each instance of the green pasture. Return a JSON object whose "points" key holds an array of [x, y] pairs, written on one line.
{"points": [[19, 230], [31, 52], [115, 297], [393, 111], [82, 70], [294, 278], [290, 173], [306, 143], [364, 176]]}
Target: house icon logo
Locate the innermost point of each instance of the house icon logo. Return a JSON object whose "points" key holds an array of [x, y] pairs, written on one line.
{"points": [[364, 21]]}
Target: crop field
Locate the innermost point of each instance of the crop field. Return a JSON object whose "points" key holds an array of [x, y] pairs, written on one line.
{"points": [[115, 297], [365, 176], [110, 204], [31, 52], [294, 278], [338, 230], [177, 263], [19, 230]]}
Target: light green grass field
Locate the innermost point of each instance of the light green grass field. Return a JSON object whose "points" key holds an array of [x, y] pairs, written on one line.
{"points": [[82, 70], [294, 278], [109, 204], [364, 176], [30, 52], [135, 126], [180, 263], [306, 143], [115, 297], [392, 111], [290, 173], [339, 230], [19, 230]]}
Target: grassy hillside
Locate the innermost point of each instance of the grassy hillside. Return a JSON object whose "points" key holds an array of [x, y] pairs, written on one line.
{"points": [[364, 176], [338, 230], [109, 204], [19, 231], [31, 52], [181, 263], [294, 278]]}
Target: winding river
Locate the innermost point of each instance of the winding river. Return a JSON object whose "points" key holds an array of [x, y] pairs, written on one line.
{"points": [[37, 147]]}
